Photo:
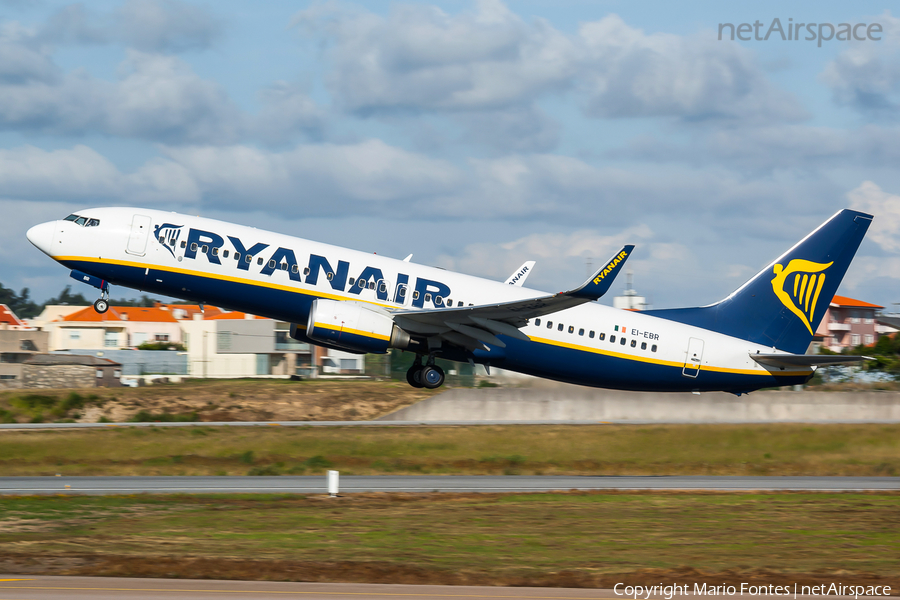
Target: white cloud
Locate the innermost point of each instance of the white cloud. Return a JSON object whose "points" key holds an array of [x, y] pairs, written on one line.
{"points": [[885, 228], [157, 97], [147, 25], [866, 75], [632, 74], [419, 58]]}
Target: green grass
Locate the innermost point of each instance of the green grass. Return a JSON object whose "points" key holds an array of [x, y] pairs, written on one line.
{"points": [[503, 537], [781, 449]]}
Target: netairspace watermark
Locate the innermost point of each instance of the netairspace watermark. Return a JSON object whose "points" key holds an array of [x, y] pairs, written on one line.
{"points": [[745, 589], [811, 32]]}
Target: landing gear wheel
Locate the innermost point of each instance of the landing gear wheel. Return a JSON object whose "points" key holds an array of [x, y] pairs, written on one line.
{"points": [[414, 376], [101, 306], [432, 377]]}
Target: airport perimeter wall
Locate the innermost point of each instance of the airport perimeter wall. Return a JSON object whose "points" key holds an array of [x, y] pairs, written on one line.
{"points": [[575, 404]]}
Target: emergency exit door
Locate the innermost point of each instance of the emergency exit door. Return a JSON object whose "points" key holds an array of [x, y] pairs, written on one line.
{"points": [[694, 358]]}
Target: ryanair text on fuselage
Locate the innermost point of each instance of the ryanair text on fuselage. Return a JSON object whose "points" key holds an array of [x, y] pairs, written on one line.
{"points": [[210, 244]]}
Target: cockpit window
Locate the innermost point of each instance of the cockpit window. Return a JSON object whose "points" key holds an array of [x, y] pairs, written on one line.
{"points": [[83, 221]]}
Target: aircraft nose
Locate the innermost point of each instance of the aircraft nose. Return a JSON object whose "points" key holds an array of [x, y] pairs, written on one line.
{"points": [[42, 236]]}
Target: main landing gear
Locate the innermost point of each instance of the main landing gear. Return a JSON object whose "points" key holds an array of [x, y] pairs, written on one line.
{"points": [[429, 375]]}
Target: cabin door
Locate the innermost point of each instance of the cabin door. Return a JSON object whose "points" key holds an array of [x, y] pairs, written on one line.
{"points": [[693, 359]]}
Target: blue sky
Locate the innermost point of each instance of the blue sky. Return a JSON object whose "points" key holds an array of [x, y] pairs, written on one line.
{"points": [[476, 135]]}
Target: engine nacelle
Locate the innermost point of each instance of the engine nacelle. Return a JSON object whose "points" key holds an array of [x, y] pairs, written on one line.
{"points": [[354, 327]]}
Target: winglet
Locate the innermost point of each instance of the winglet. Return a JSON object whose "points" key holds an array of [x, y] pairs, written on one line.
{"points": [[602, 280], [519, 275]]}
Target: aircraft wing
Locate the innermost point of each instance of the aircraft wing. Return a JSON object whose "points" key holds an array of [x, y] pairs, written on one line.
{"points": [[806, 360], [474, 326]]}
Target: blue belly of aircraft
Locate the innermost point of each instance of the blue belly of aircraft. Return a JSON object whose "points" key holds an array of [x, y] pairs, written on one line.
{"points": [[543, 360]]}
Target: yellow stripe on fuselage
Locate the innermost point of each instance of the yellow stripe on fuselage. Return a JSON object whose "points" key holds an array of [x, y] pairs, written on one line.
{"points": [[320, 294]]}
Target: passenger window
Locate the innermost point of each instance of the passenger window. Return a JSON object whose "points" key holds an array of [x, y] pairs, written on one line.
{"points": [[612, 339], [643, 345], [402, 291], [622, 341], [602, 336], [537, 322], [183, 244], [284, 266], [591, 334], [416, 295], [351, 281], [215, 251], [294, 268], [460, 303], [449, 302], [225, 253], [653, 348], [330, 276], [248, 258], [581, 331], [162, 240], [194, 247], [204, 249], [633, 343], [572, 329], [306, 270], [361, 283], [382, 288], [259, 260], [549, 324], [560, 327], [372, 285], [428, 297], [438, 300], [271, 264]]}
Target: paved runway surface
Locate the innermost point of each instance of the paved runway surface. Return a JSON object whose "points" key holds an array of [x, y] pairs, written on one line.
{"points": [[426, 483], [66, 588]]}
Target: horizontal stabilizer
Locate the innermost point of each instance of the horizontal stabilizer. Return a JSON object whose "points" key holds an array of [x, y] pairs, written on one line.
{"points": [[806, 360]]}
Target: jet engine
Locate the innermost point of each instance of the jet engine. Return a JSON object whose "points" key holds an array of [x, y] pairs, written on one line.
{"points": [[354, 327]]}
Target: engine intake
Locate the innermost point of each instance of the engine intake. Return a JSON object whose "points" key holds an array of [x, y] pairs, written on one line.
{"points": [[354, 326]]}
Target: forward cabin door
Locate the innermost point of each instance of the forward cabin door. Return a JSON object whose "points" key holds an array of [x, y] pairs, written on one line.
{"points": [[140, 233], [693, 358]]}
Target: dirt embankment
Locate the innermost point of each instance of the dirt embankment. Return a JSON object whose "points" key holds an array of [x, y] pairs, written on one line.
{"points": [[216, 400]]}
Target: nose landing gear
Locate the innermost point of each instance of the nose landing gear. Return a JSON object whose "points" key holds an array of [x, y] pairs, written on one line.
{"points": [[101, 305], [429, 375]]}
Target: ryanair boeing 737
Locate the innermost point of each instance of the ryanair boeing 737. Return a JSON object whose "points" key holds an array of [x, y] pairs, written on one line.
{"points": [[358, 302]]}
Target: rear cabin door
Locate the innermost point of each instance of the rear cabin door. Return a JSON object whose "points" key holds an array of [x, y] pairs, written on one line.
{"points": [[693, 359], [140, 233]]}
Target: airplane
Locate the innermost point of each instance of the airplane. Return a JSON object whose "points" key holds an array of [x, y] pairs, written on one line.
{"points": [[359, 302]]}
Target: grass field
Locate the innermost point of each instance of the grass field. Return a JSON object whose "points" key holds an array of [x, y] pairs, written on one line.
{"points": [[567, 539], [775, 449]]}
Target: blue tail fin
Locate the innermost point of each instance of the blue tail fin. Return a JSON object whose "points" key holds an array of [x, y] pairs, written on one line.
{"points": [[783, 304]]}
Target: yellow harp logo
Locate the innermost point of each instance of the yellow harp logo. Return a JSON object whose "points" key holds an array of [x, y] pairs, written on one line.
{"points": [[805, 279]]}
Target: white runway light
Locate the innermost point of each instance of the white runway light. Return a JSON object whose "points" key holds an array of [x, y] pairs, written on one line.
{"points": [[333, 483]]}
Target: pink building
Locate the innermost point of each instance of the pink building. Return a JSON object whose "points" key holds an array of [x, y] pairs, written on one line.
{"points": [[848, 323]]}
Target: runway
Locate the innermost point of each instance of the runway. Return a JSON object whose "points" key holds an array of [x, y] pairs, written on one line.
{"points": [[65, 588], [427, 483], [59, 588]]}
